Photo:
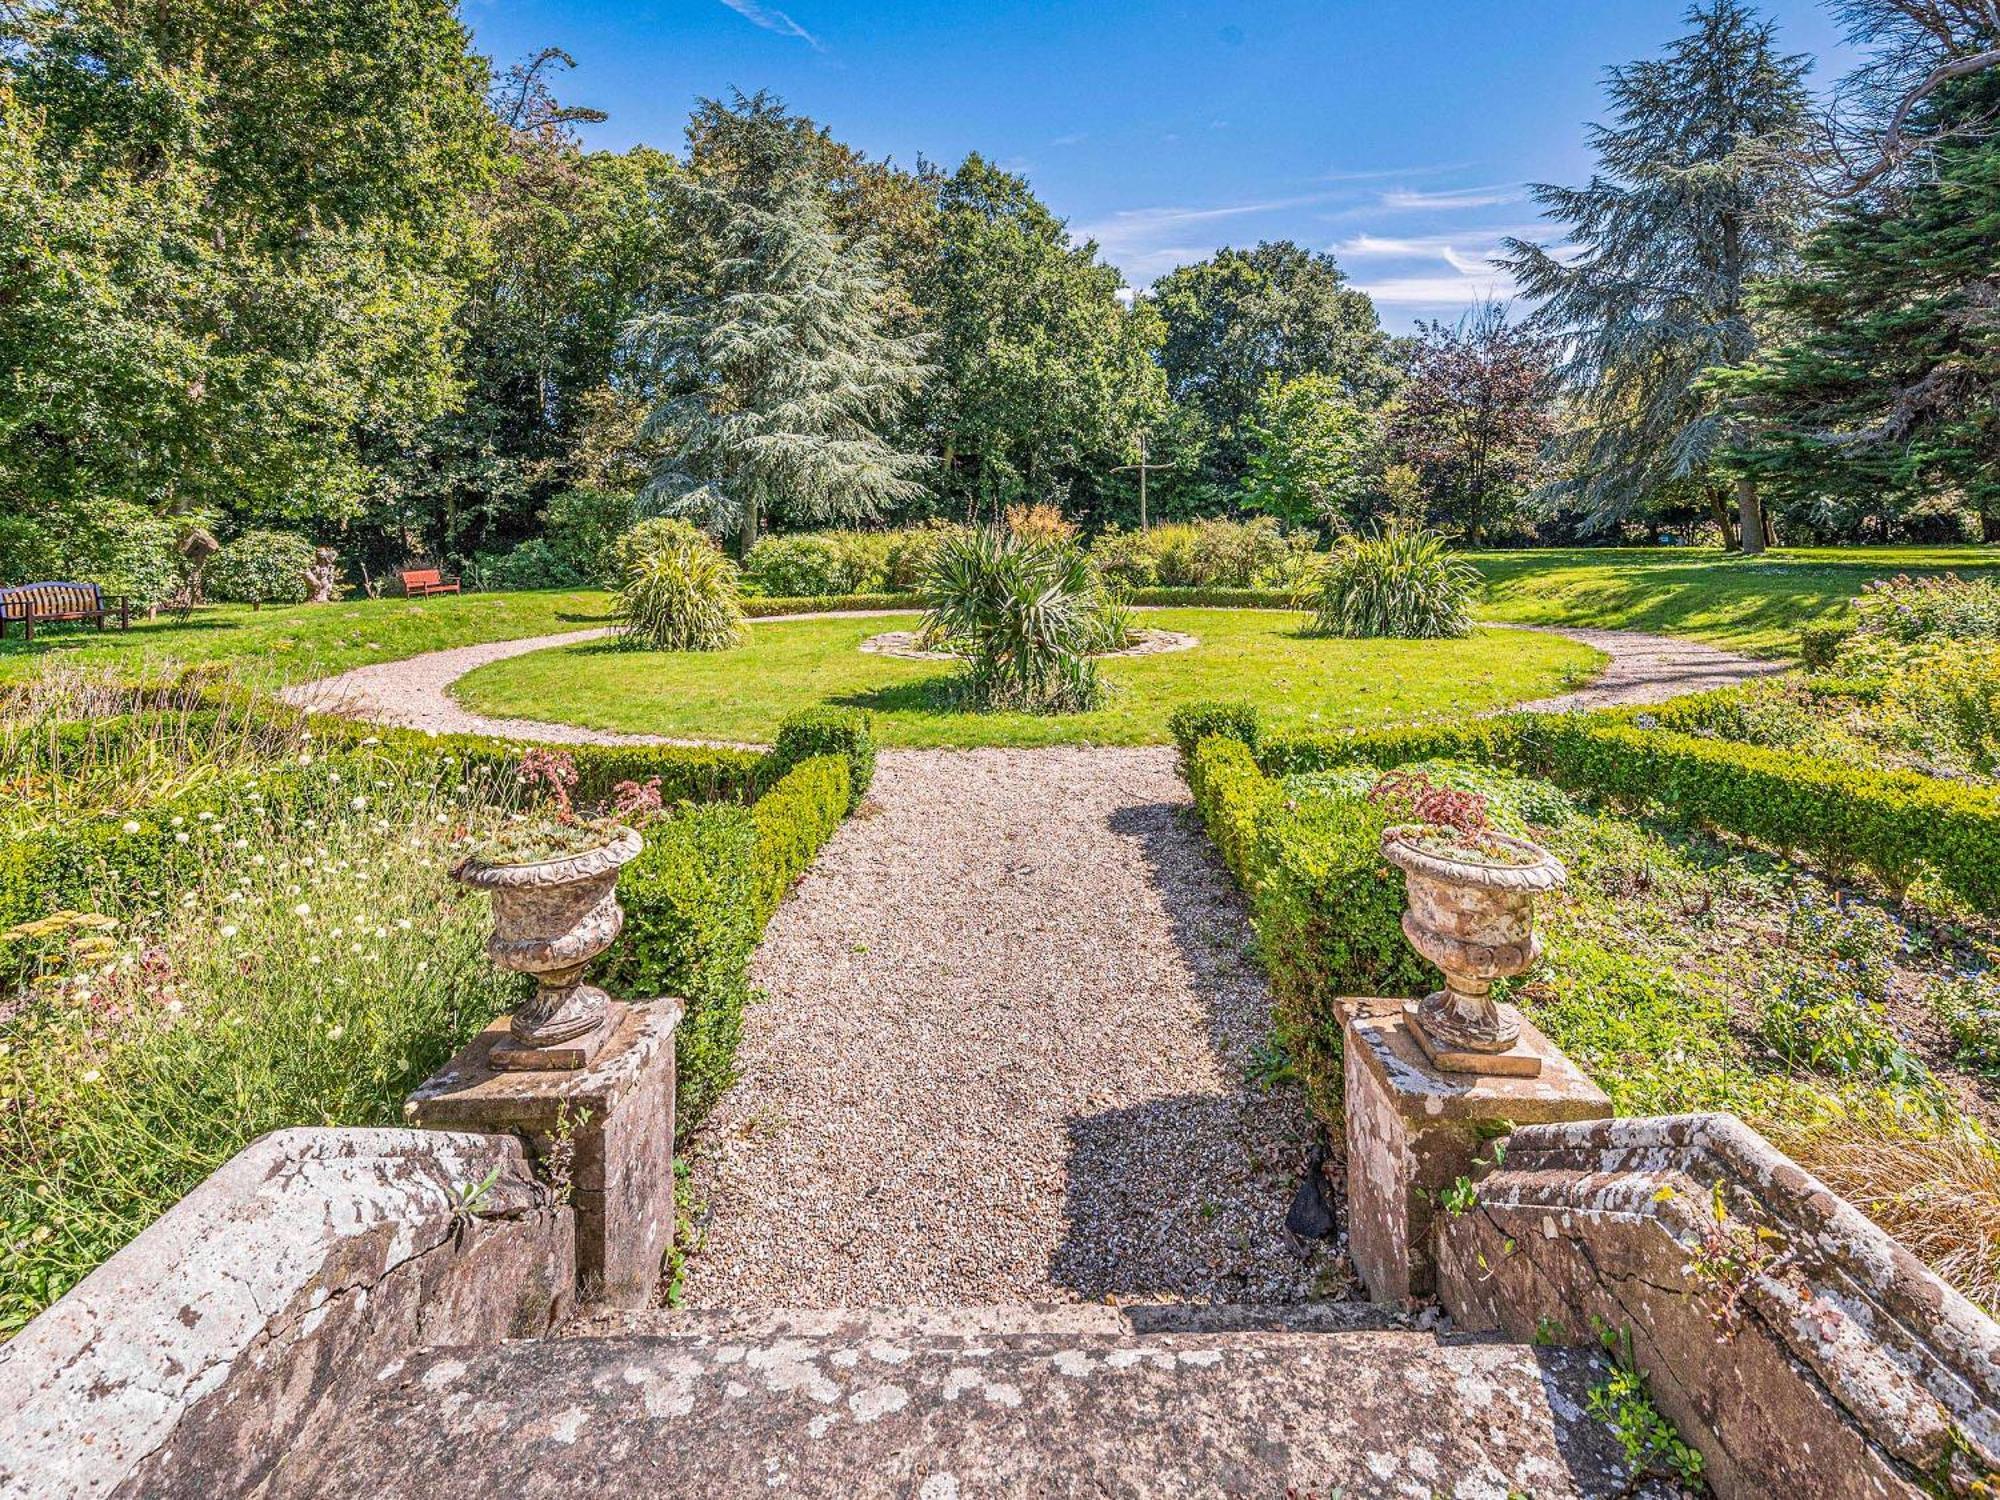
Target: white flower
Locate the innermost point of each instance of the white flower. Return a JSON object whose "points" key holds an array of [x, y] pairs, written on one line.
{"points": [[404, 923], [358, 803], [180, 838], [228, 929], [93, 1076], [259, 860], [333, 778], [312, 960], [241, 844], [130, 826], [303, 909], [335, 1033], [178, 820], [205, 817]]}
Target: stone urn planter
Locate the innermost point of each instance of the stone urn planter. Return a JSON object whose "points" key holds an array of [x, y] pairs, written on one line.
{"points": [[1472, 913], [550, 919]]}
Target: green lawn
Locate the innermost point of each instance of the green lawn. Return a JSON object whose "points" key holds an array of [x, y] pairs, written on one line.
{"points": [[295, 643], [1753, 604], [741, 695]]}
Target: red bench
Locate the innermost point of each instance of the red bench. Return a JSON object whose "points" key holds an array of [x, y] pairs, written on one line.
{"points": [[47, 603], [421, 583]]}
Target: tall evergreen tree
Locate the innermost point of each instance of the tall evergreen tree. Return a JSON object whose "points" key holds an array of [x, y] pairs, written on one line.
{"points": [[781, 377], [1690, 204], [1886, 373]]}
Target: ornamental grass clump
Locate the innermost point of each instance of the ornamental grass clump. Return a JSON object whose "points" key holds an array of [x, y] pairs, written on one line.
{"points": [[301, 972], [1400, 584], [1023, 614], [676, 590]]}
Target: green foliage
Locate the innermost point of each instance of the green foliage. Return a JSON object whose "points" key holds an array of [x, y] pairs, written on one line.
{"points": [[261, 567], [1697, 194], [1314, 453], [803, 809], [848, 733], [1942, 607], [1022, 614], [533, 564], [835, 564], [582, 527], [1235, 719], [1966, 1008], [1820, 644], [1231, 796], [1399, 584], [1823, 1005], [1624, 1403], [676, 590], [1242, 317], [782, 377]]}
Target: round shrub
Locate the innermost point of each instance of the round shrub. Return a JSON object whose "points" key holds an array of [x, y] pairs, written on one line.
{"points": [[582, 526], [1402, 584], [534, 564], [676, 591], [261, 567], [817, 564]]}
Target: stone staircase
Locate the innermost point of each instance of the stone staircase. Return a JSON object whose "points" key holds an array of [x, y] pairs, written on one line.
{"points": [[1324, 1399]]}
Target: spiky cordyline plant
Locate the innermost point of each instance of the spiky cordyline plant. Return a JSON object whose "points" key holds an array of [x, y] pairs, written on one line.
{"points": [[676, 590], [1403, 584], [1024, 613]]}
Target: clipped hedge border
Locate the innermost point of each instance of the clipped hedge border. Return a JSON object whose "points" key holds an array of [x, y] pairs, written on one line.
{"points": [[761, 606], [1897, 824]]}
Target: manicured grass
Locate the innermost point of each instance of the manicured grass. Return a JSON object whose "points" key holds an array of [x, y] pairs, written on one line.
{"points": [[295, 643], [1756, 605], [1299, 681]]}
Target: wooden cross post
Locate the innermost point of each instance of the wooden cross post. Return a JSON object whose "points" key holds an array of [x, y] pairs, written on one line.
{"points": [[1144, 468]]}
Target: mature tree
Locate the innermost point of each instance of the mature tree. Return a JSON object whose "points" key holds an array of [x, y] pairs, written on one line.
{"points": [[582, 243], [1689, 205], [781, 375], [1885, 379], [1237, 319], [243, 228], [1315, 455], [1472, 415], [1043, 378]]}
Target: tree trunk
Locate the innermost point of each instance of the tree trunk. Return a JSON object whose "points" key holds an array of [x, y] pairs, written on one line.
{"points": [[1750, 516], [1719, 507], [747, 537]]}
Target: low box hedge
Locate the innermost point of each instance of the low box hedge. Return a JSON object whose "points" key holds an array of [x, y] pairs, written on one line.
{"points": [[846, 732], [761, 606]]}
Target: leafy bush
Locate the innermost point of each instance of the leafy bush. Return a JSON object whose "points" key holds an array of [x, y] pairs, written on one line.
{"points": [[1040, 522], [1235, 719], [1819, 645], [1944, 706], [261, 567], [1021, 613], [1823, 1006], [1399, 584], [582, 528], [676, 590], [1967, 1008], [1906, 609], [810, 732], [533, 564], [1127, 559], [818, 563]]}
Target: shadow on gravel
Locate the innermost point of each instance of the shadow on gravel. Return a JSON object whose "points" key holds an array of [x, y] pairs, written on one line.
{"points": [[1186, 1196]]}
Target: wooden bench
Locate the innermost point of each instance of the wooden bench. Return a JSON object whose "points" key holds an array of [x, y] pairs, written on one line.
{"points": [[47, 603], [421, 583]]}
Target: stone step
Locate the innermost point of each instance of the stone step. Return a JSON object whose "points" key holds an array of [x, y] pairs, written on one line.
{"points": [[938, 1415], [1078, 1319]]}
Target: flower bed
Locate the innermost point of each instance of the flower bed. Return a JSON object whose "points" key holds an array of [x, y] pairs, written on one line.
{"points": [[278, 943], [1683, 974]]}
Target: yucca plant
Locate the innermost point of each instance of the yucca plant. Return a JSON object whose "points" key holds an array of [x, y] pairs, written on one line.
{"points": [[1403, 584], [1022, 613], [676, 590]]}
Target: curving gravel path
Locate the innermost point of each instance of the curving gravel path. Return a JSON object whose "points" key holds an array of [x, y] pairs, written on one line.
{"points": [[1004, 1058], [415, 692]]}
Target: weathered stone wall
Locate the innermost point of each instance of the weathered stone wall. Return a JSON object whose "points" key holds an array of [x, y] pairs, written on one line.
{"points": [[228, 1332], [1838, 1367]]}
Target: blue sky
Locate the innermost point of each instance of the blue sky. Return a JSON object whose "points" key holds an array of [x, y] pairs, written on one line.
{"points": [[1398, 136]]}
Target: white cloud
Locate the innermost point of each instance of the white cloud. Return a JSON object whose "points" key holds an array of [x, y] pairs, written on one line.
{"points": [[1454, 292], [1406, 199], [1071, 140], [772, 19], [1149, 242], [1382, 173]]}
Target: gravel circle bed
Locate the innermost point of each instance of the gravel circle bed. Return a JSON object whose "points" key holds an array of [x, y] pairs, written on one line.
{"points": [[1005, 1057]]}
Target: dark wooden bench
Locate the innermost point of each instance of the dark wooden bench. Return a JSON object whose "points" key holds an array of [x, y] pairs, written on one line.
{"points": [[421, 583], [35, 604]]}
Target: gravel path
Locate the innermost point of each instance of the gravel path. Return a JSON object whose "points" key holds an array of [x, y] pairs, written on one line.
{"points": [[416, 691], [1004, 1058], [1649, 669]]}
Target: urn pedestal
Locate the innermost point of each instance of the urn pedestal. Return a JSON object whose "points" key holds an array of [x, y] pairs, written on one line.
{"points": [[1475, 919], [550, 919]]}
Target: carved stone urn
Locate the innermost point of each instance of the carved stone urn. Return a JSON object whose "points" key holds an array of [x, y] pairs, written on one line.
{"points": [[550, 919], [1472, 913]]}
